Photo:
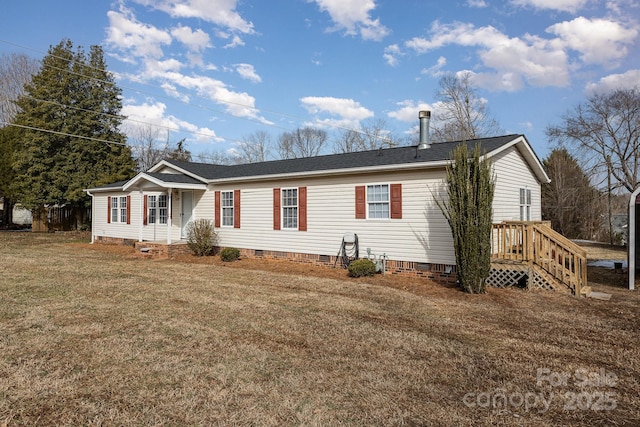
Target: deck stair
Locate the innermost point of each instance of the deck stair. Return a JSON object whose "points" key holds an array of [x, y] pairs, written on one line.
{"points": [[532, 254]]}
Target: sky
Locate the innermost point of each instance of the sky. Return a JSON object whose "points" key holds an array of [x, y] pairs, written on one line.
{"points": [[215, 71]]}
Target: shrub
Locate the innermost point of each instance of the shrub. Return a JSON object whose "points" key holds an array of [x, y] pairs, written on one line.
{"points": [[201, 237], [362, 267], [229, 254], [469, 212]]}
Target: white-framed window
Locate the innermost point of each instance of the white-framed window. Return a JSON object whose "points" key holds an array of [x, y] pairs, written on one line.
{"points": [[153, 209], [525, 204], [114, 209], [157, 209], [378, 205], [162, 209], [290, 208], [123, 209], [226, 204]]}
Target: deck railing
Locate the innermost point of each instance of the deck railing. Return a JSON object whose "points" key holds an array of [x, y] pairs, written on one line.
{"points": [[537, 243]]}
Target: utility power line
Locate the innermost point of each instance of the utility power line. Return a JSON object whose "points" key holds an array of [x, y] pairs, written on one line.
{"points": [[264, 110]]}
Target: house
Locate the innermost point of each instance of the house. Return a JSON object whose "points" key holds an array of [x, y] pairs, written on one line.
{"points": [[301, 208]]}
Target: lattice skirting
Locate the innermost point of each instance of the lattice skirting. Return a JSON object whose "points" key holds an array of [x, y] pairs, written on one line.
{"points": [[505, 277], [537, 281]]}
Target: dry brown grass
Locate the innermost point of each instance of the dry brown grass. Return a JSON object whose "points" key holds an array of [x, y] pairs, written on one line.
{"points": [[91, 335]]}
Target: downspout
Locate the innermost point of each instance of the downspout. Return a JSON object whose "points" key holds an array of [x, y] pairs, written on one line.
{"points": [[92, 214]]}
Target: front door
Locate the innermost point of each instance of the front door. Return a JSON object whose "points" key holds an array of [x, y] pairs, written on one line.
{"points": [[186, 213]]}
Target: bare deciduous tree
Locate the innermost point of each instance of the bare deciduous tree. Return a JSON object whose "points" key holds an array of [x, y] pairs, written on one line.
{"points": [[147, 150], [373, 134], [462, 114], [16, 70], [253, 148], [302, 142], [605, 133], [215, 158]]}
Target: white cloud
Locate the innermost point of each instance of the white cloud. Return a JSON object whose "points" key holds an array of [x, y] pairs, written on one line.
{"points": [[513, 60], [408, 111], [195, 41], [154, 114], [628, 80], [218, 12], [248, 72], [235, 42], [347, 108], [353, 17], [561, 5], [599, 41], [477, 3], [435, 70], [129, 35], [391, 54]]}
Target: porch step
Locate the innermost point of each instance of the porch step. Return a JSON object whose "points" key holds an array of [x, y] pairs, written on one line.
{"points": [[585, 291]]}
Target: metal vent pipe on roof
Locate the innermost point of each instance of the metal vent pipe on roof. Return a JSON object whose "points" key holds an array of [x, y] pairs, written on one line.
{"points": [[425, 117]]}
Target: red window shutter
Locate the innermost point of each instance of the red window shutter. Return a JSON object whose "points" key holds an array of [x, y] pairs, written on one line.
{"points": [[109, 210], [236, 209], [396, 201], [302, 209], [361, 202], [146, 208], [216, 215], [128, 209], [276, 209]]}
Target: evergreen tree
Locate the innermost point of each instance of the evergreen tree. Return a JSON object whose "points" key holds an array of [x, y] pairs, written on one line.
{"points": [[470, 215], [71, 138], [8, 138], [569, 201]]}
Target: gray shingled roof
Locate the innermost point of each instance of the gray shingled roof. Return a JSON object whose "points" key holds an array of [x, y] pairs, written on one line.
{"points": [[437, 153], [384, 157], [173, 177]]}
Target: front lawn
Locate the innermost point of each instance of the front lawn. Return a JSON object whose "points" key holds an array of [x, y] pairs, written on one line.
{"points": [[96, 337]]}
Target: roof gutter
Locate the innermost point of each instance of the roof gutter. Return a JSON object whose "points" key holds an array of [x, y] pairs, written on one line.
{"points": [[343, 171]]}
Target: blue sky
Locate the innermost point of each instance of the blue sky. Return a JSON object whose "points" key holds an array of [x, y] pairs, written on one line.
{"points": [[215, 71]]}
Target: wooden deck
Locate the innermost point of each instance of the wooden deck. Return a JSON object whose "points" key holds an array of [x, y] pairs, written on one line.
{"points": [[533, 252]]}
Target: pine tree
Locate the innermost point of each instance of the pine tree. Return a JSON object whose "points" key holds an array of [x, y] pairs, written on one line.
{"points": [[68, 112], [470, 214], [8, 138]]}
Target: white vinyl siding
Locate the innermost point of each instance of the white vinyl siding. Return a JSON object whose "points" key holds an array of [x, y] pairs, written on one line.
{"points": [[115, 228], [513, 174], [331, 213]]}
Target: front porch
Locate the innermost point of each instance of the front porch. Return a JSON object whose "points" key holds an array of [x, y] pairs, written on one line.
{"points": [[532, 254]]}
